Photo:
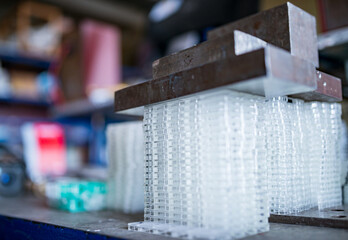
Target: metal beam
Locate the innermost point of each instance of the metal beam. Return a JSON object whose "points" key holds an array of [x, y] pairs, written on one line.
{"points": [[329, 89], [243, 61], [256, 72], [285, 26], [203, 53]]}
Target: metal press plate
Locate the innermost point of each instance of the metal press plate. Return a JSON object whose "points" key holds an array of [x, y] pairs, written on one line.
{"points": [[332, 217], [271, 63]]}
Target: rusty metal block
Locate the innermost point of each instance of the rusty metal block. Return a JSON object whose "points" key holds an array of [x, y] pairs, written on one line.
{"points": [[242, 57], [285, 26], [247, 66], [329, 89], [257, 72], [203, 53]]}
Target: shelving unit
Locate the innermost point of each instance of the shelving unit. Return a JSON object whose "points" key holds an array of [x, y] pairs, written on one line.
{"points": [[20, 106], [77, 109], [14, 56], [24, 101], [83, 108]]}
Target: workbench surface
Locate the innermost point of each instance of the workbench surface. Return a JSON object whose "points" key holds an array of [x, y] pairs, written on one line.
{"points": [[28, 218]]}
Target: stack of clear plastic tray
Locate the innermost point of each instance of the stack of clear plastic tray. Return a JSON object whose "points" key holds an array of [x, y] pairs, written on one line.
{"points": [[328, 119], [205, 174], [288, 165], [125, 151], [302, 155], [218, 162]]}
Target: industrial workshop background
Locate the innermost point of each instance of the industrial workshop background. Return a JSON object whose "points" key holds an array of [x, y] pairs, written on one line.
{"points": [[93, 146]]}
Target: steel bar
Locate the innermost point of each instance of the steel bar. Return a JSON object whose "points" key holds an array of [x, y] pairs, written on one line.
{"points": [[203, 53], [255, 72], [285, 26], [272, 53], [329, 89]]}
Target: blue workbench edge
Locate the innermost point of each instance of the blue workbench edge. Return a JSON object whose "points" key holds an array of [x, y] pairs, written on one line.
{"points": [[15, 228]]}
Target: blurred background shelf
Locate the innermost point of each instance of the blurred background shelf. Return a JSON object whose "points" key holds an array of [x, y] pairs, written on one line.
{"points": [[86, 108], [334, 43], [21, 58], [24, 101]]}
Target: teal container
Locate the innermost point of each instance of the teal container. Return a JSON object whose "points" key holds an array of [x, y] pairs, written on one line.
{"points": [[76, 195]]}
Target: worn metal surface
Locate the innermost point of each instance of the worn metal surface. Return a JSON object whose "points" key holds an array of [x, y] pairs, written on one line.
{"points": [[269, 71], [233, 59], [28, 218], [332, 217], [232, 44], [208, 76], [285, 26], [289, 231], [288, 74], [329, 89], [333, 50], [245, 43], [258, 72], [206, 52]]}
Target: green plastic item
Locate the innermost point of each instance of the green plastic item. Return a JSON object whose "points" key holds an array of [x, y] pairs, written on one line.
{"points": [[75, 195]]}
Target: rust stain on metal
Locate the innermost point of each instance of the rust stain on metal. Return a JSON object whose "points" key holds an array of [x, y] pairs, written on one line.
{"points": [[271, 26], [195, 56], [214, 64], [212, 75], [329, 89], [314, 217]]}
